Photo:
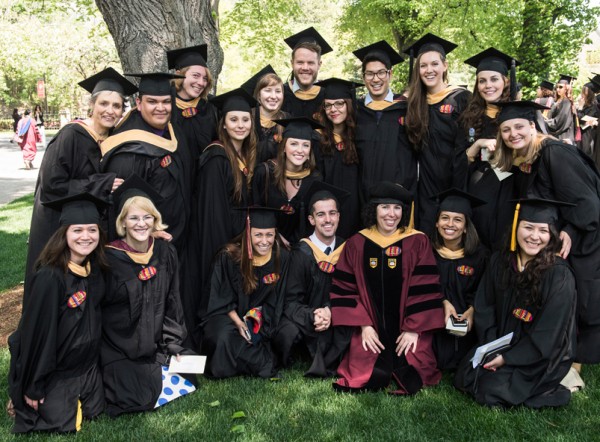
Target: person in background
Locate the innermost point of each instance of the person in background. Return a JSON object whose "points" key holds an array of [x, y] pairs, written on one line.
{"points": [[560, 120], [38, 116], [16, 116], [587, 108], [28, 135]]}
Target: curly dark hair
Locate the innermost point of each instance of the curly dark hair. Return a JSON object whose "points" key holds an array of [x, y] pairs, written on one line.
{"points": [[369, 215], [472, 117], [529, 281], [327, 145]]}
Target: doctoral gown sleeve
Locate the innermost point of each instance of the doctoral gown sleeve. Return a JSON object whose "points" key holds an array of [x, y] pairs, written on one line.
{"points": [[543, 338]]}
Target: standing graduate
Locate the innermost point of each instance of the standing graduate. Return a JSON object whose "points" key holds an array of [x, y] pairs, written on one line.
{"points": [[142, 317], [530, 291], [147, 144], [302, 97], [243, 306], [193, 111], [544, 167], [493, 84], [71, 162], [383, 149], [432, 127], [306, 321], [267, 89], [283, 184], [461, 261], [588, 107], [386, 287], [222, 185], [337, 157], [545, 96], [54, 379], [560, 120]]}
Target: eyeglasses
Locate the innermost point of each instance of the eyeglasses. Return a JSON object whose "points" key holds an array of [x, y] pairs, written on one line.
{"points": [[339, 105], [136, 219], [380, 74]]}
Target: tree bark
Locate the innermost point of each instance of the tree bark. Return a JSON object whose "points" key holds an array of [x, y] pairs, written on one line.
{"points": [[144, 29]]}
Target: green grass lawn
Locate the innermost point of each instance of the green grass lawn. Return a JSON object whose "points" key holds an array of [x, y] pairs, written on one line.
{"points": [[299, 409]]}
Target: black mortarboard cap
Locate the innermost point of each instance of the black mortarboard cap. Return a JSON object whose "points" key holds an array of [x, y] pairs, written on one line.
{"points": [[336, 88], [535, 210], [155, 83], [108, 80], [593, 85], [250, 84], [320, 190], [428, 42], [135, 186], [455, 200], [566, 79], [386, 192], [190, 56], [381, 51], [309, 35], [492, 60], [518, 109], [298, 127], [595, 78], [82, 208], [547, 85], [235, 100]]}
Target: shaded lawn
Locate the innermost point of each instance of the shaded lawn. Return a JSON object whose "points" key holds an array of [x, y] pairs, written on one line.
{"points": [[299, 409], [15, 219]]}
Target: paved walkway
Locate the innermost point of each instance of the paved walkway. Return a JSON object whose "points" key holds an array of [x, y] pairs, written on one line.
{"points": [[15, 180]]}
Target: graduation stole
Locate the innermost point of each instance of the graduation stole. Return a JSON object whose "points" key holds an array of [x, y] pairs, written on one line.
{"points": [[491, 110], [259, 261], [267, 123], [386, 241], [242, 166], [83, 271], [297, 175], [439, 96], [446, 253], [379, 105], [140, 135], [339, 142], [310, 94], [97, 138], [188, 108], [142, 258], [326, 263]]}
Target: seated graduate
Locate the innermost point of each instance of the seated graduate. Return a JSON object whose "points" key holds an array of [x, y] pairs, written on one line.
{"points": [[528, 289], [282, 184], [142, 317], [306, 283], [461, 261], [243, 307], [54, 378], [386, 286]]}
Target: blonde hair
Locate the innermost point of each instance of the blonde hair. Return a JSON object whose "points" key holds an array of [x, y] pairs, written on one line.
{"points": [[178, 82], [144, 204], [503, 155]]}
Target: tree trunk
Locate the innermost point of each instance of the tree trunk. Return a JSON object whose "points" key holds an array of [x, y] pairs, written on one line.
{"points": [[144, 29]]}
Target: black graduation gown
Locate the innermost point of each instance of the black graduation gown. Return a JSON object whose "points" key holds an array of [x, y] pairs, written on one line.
{"points": [[215, 221], [562, 172], [588, 135], [560, 121], [142, 323], [71, 165], [198, 124], [165, 164], [459, 279], [54, 352], [292, 223], [268, 138], [383, 148], [297, 107], [443, 163], [305, 287], [493, 219], [541, 351], [345, 176], [228, 353]]}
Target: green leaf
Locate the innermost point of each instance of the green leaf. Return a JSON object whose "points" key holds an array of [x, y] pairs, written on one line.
{"points": [[238, 429], [214, 404], [238, 415]]}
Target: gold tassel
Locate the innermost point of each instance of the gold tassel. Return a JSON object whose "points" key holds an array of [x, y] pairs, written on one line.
{"points": [[411, 221], [513, 235]]}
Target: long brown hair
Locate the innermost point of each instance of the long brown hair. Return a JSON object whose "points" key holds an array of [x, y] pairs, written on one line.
{"points": [[417, 115], [238, 251], [472, 117], [279, 172], [349, 154], [56, 252], [247, 155]]}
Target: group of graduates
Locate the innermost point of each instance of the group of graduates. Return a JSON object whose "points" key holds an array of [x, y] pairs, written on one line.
{"points": [[216, 225]]}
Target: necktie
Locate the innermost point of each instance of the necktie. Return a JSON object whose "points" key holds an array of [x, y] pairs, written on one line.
{"points": [[328, 250]]}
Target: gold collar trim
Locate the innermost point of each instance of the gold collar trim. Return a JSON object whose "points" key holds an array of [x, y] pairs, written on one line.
{"points": [[83, 271], [185, 104], [446, 253], [320, 256], [386, 241], [259, 261], [439, 96], [140, 135], [491, 110], [297, 175], [138, 258]]}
